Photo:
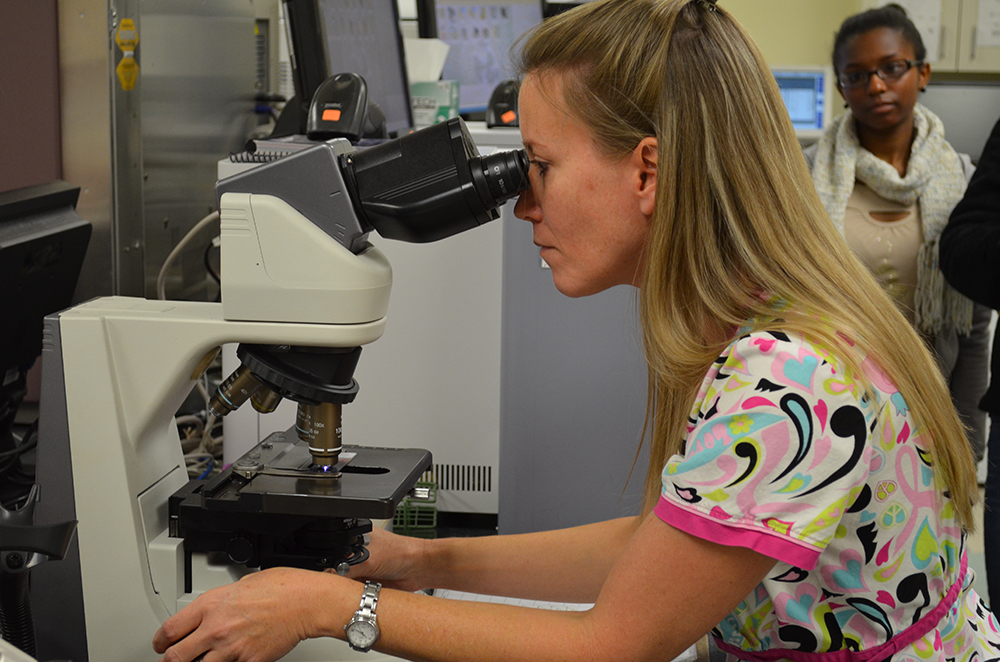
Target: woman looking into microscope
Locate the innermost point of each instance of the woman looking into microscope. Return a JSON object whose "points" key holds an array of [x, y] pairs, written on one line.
{"points": [[810, 484]]}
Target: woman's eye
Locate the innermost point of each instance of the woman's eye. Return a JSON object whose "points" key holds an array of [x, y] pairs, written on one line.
{"points": [[542, 166], [854, 77], [895, 68]]}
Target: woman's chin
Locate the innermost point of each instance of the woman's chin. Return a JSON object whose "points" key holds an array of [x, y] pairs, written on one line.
{"points": [[575, 288]]}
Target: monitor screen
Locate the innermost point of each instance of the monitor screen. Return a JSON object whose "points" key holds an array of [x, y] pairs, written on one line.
{"points": [[42, 245], [330, 37], [805, 93], [480, 36]]}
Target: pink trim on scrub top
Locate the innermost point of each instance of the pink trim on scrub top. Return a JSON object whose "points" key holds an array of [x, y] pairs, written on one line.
{"points": [[797, 553]]}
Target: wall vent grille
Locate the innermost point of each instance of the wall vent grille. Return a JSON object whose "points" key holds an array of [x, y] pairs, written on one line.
{"points": [[461, 477]]}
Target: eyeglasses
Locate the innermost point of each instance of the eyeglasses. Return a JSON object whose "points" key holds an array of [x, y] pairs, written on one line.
{"points": [[890, 71]]}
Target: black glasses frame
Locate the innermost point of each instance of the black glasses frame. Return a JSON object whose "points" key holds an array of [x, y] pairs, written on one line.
{"points": [[845, 83]]}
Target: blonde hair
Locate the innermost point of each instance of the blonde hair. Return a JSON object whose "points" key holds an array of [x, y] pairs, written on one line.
{"points": [[736, 216]]}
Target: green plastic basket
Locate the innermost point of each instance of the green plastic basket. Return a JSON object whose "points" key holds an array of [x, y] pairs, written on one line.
{"points": [[417, 517]]}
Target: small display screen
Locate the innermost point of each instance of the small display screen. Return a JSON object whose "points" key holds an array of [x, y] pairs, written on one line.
{"points": [[804, 94]]}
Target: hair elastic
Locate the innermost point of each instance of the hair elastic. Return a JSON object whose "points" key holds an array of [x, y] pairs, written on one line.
{"points": [[707, 4]]}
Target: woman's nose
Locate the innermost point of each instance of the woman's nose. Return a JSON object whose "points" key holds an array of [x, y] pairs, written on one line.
{"points": [[876, 85], [526, 208]]}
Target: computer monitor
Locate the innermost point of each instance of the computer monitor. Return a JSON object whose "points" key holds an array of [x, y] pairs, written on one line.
{"points": [[806, 92], [42, 245], [330, 37], [480, 36]]}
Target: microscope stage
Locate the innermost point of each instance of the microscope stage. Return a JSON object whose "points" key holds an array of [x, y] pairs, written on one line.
{"points": [[277, 477], [371, 483]]}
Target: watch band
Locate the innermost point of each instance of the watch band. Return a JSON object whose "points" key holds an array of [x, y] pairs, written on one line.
{"points": [[369, 600]]}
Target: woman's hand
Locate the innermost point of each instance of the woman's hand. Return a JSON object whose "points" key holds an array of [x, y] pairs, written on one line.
{"points": [[395, 561], [257, 619]]}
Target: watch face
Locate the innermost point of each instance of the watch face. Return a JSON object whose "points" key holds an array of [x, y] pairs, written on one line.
{"points": [[362, 634]]}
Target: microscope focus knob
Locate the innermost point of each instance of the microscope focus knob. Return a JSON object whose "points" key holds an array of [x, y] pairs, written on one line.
{"points": [[241, 550]]}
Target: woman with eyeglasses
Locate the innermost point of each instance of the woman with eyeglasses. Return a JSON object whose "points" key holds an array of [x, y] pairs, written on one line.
{"points": [[889, 180]]}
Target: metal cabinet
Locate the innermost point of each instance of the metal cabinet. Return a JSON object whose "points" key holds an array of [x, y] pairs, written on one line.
{"points": [[144, 151], [962, 43], [979, 43]]}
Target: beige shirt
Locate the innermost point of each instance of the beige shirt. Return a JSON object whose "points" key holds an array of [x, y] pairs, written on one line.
{"points": [[886, 236]]}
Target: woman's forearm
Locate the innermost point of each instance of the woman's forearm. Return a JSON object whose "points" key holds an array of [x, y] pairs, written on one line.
{"points": [[418, 627], [666, 590], [567, 565]]}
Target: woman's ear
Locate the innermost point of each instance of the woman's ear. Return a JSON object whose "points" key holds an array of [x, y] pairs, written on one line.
{"points": [[923, 76], [645, 155]]}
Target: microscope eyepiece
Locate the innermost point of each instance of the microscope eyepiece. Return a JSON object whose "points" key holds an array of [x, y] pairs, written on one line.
{"points": [[505, 173], [432, 183]]}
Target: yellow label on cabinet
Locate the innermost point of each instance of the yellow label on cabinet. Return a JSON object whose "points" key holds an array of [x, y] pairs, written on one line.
{"points": [[127, 37], [128, 72]]}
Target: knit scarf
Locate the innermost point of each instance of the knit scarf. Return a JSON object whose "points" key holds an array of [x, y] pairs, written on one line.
{"points": [[934, 177]]}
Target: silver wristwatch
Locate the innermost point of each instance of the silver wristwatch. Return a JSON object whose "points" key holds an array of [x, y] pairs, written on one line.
{"points": [[362, 630]]}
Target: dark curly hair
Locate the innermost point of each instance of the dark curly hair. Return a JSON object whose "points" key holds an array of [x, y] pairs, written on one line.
{"points": [[890, 16]]}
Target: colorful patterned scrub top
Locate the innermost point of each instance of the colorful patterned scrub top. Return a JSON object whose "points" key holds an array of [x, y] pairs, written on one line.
{"points": [[785, 456]]}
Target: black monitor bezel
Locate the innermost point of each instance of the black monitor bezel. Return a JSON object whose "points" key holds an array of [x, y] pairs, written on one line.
{"points": [[37, 199], [426, 19]]}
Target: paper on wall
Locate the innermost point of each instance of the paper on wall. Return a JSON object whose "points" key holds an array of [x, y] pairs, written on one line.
{"points": [[926, 15], [988, 27]]}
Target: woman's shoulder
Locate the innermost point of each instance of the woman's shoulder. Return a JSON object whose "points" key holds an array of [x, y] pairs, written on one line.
{"points": [[825, 366], [769, 342], [809, 152], [816, 367], [784, 358]]}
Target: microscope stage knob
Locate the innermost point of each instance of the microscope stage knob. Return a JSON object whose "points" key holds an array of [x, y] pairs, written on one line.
{"points": [[240, 550]]}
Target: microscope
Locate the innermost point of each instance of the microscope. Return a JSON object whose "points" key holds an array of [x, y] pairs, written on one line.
{"points": [[302, 291]]}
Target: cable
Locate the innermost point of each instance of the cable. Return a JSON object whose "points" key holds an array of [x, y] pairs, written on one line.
{"points": [[208, 263], [211, 465], [191, 421], [201, 448], [15, 480], [207, 442], [20, 450], [161, 279], [203, 390], [28, 442], [206, 457]]}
